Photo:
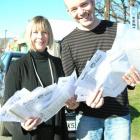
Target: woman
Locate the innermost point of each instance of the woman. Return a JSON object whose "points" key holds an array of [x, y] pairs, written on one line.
{"points": [[36, 68]]}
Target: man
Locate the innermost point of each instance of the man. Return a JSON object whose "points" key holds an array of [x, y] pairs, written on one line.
{"points": [[112, 119]]}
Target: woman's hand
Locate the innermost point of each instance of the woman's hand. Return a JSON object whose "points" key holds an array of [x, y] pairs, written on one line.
{"points": [[132, 76], [71, 103], [95, 98], [31, 123]]}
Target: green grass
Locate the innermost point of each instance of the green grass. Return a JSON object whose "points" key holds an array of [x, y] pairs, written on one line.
{"points": [[134, 100]]}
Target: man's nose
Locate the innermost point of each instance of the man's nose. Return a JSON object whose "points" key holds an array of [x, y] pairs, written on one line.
{"points": [[80, 11]]}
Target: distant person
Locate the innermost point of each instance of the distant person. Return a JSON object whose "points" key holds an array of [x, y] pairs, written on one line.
{"points": [[36, 68], [98, 116], [1, 75], [55, 50], [23, 47], [1, 51]]}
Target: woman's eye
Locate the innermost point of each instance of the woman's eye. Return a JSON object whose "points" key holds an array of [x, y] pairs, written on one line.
{"points": [[35, 32], [44, 32]]}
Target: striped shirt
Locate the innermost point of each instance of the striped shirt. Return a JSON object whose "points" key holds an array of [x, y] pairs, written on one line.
{"points": [[78, 47]]}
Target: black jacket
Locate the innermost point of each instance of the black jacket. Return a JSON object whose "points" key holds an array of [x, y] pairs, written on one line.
{"points": [[20, 75]]}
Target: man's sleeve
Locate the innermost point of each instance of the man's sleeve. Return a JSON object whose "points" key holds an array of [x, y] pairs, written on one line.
{"points": [[67, 59]]}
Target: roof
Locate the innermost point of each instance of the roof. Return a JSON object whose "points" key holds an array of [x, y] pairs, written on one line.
{"points": [[61, 28]]}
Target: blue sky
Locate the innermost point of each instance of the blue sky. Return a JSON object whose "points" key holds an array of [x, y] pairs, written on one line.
{"points": [[14, 14]]}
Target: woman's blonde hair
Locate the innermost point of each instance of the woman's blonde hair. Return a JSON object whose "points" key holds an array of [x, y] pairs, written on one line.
{"points": [[38, 23]]}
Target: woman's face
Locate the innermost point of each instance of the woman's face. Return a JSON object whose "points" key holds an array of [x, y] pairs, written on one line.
{"points": [[39, 40]]}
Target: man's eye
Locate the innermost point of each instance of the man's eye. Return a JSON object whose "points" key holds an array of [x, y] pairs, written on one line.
{"points": [[73, 10], [84, 4]]}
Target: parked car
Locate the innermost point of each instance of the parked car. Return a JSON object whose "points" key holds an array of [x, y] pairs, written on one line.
{"points": [[6, 59]]}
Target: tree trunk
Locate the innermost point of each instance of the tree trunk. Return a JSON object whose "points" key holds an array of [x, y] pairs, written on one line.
{"points": [[107, 10]]}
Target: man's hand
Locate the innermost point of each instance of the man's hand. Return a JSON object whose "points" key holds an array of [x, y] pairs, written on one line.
{"points": [[31, 123], [71, 103], [95, 98], [132, 76]]}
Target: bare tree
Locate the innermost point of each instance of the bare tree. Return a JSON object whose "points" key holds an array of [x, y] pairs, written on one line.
{"points": [[3, 42], [120, 10], [116, 10]]}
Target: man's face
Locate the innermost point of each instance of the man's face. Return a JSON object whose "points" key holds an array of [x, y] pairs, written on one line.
{"points": [[82, 11]]}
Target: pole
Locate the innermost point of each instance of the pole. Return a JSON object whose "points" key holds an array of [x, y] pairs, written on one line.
{"points": [[5, 38], [133, 15], [107, 10]]}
